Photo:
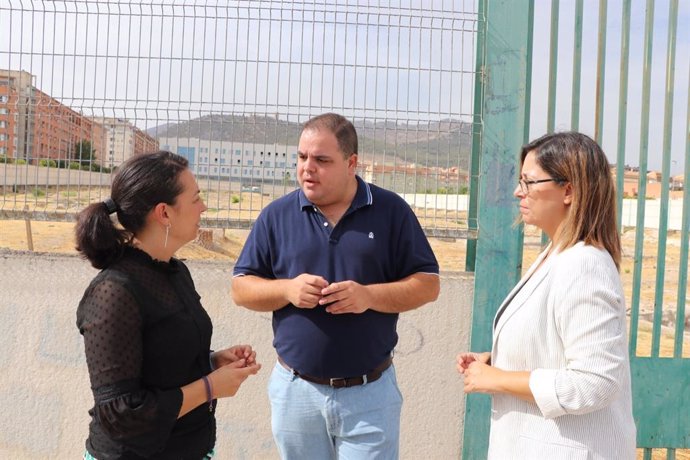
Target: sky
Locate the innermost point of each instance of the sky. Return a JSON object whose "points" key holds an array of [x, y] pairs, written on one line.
{"points": [[164, 62], [612, 81]]}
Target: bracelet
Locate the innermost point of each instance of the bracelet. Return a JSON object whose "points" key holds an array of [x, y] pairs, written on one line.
{"points": [[209, 392]]}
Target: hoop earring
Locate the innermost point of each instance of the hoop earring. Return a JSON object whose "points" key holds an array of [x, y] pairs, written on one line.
{"points": [[167, 230]]}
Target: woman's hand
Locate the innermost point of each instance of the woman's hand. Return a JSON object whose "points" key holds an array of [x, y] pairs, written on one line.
{"points": [[226, 380], [481, 377], [230, 355], [465, 359]]}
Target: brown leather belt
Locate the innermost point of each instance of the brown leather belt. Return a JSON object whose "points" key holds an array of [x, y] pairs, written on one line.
{"points": [[342, 382]]}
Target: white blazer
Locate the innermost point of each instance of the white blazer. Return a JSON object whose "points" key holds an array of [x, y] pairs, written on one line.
{"points": [[566, 324]]}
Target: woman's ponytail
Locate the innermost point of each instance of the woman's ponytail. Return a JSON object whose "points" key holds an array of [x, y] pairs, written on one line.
{"points": [[98, 239]]}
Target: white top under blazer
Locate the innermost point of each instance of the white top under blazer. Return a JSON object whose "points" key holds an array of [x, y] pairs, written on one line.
{"points": [[565, 323]]}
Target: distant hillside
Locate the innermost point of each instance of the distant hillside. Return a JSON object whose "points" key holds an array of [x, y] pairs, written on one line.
{"points": [[233, 128], [442, 143]]}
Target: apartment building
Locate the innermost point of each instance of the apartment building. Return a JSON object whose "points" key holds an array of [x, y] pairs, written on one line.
{"points": [[16, 130], [143, 143], [236, 160], [121, 140], [35, 126], [58, 129]]}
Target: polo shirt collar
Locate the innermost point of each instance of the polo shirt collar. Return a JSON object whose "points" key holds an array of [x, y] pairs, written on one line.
{"points": [[362, 198]]}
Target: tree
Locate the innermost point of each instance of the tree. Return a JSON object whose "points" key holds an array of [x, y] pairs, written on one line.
{"points": [[83, 152]]}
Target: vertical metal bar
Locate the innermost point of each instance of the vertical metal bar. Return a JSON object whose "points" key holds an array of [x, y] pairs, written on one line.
{"points": [[601, 72], [235, 97], [479, 83], [684, 242], [528, 75], [622, 109], [665, 173], [553, 69], [577, 67], [528, 113], [642, 182], [553, 80], [498, 253]]}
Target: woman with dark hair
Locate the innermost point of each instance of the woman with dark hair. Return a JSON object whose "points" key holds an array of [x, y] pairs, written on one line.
{"points": [[558, 370], [147, 337]]}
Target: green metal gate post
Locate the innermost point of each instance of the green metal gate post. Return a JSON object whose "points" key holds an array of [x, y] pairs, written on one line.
{"points": [[499, 252]]}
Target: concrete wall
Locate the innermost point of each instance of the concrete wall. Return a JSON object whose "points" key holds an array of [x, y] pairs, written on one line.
{"points": [[44, 389]]}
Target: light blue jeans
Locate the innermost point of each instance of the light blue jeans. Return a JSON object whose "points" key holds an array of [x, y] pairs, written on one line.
{"points": [[312, 421]]}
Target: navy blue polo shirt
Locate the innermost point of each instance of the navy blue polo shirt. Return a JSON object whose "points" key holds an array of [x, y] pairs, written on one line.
{"points": [[377, 240]]}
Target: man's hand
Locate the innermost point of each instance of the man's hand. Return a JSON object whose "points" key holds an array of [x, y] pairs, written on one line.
{"points": [[346, 297], [305, 290]]}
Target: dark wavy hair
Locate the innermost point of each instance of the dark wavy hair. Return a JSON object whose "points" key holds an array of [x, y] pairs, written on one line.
{"points": [[577, 159], [343, 130], [139, 184]]}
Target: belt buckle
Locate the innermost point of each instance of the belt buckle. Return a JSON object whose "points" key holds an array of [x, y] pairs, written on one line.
{"points": [[339, 382]]}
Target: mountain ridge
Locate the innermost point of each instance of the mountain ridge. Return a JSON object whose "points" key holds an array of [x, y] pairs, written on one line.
{"points": [[444, 143]]}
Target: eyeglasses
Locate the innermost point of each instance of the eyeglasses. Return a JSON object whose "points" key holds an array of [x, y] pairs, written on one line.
{"points": [[524, 184]]}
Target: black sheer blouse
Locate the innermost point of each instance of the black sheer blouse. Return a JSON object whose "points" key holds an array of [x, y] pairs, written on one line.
{"points": [[145, 335]]}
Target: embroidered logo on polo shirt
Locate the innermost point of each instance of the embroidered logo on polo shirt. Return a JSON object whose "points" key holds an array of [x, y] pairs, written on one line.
{"points": [[371, 235]]}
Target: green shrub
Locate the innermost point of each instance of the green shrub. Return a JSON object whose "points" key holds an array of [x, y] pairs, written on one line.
{"points": [[74, 165], [20, 161], [47, 162], [235, 199], [37, 192]]}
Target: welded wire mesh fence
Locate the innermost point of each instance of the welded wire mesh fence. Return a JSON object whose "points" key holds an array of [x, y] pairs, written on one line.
{"points": [[85, 85]]}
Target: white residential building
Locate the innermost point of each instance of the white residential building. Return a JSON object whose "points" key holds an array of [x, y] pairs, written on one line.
{"points": [[122, 140], [237, 160]]}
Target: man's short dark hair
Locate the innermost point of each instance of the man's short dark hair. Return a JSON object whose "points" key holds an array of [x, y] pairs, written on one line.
{"points": [[343, 130]]}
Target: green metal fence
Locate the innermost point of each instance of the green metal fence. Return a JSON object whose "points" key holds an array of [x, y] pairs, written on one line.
{"points": [[611, 71]]}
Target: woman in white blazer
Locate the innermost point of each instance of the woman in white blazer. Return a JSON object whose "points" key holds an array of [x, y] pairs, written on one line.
{"points": [[558, 370]]}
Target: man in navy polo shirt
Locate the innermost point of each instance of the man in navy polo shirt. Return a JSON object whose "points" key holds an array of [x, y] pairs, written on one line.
{"points": [[336, 262]]}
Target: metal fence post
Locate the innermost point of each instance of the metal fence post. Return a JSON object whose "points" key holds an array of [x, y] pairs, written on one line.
{"points": [[499, 252]]}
